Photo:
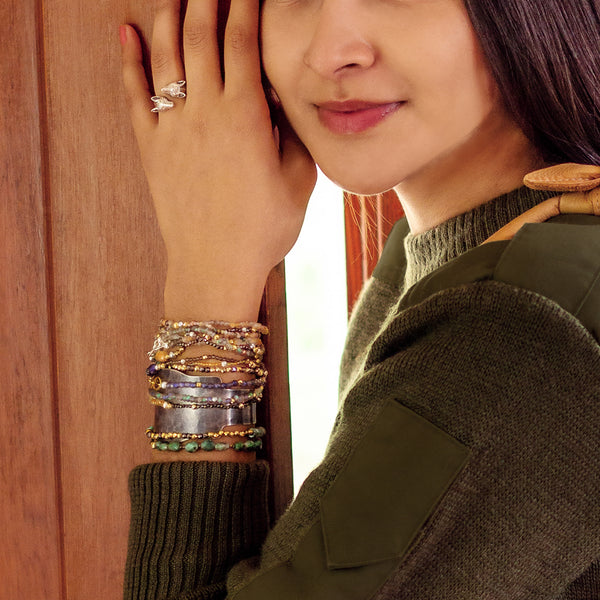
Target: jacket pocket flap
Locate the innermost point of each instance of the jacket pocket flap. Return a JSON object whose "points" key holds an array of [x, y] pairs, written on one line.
{"points": [[391, 484]]}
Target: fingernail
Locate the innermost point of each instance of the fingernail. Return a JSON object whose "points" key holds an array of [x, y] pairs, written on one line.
{"points": [[123, 34]]}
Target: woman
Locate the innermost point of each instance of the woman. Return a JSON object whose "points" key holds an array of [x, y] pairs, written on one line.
{"points": [[464, 462]]}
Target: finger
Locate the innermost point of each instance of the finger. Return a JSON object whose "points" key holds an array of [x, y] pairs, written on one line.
{"points": [[201, 48], [241, 52], [137, 91], [167, 65]]}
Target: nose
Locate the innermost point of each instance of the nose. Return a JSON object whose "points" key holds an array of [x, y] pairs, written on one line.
{"points": [[339, 44]]}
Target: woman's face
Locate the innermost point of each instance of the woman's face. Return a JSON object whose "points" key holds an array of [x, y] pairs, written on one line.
{"points": [[377, 89]]}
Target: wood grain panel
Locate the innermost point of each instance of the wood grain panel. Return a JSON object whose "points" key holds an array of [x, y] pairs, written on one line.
{"points": [[108, 276], [30, 566], [108, 269], [274, 412]]}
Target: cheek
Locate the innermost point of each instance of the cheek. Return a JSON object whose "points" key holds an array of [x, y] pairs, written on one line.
{"points": [[477, 79], [463, 91], [483, 83], [275, 50]]}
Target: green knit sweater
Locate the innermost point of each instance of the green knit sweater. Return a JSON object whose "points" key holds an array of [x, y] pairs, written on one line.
{"points": [[464, 463]]}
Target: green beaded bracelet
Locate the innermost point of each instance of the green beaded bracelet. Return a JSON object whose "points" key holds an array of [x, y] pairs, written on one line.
{"points": [[208, 446]]}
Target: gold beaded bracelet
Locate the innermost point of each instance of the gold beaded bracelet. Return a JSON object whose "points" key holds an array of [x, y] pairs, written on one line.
{"points": [[251, 432]]}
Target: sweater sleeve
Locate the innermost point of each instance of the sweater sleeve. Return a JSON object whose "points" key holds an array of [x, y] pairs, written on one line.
{"points": [[190, 522]]}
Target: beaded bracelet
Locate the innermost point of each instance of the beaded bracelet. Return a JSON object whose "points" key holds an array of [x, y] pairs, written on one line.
{"points": [[216, 326], [211, 360], [191, 442], [206, 403], [168, 401], [251, 432], [190, 333], [190, 369], [157, 383], [175, 336], [162, 377], [207, 446], [210, 357], [251, 350], [202, 396]]}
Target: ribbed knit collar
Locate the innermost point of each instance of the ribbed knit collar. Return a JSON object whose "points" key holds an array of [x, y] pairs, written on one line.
{"points": [[427, 251]]}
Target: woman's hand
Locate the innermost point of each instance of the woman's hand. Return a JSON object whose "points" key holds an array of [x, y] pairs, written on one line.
{"points": [[230, 201]]}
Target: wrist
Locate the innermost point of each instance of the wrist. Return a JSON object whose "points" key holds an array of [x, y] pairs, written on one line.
{"points": [[203, 297]]}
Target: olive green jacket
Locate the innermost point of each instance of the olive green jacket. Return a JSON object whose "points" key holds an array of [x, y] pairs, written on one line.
{"points": [[465, 459]]}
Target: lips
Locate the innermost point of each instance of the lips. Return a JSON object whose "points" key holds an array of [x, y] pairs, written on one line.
{"points": [[354, 116]]}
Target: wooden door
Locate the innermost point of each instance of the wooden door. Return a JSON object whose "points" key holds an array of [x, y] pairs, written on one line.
{"points": [[82, 271]]}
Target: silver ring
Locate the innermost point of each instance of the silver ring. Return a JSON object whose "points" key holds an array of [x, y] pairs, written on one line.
{"points": [[175, 89], [161, 103]]}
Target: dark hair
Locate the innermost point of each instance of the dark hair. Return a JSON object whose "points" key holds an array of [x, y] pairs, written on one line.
{"points": [[545, 58]]}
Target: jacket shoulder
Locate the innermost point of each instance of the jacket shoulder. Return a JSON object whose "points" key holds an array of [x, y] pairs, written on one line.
{"points": [[558, 259]]}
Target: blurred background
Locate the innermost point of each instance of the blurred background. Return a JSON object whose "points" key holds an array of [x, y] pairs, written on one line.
{"points": [[317, 319]]}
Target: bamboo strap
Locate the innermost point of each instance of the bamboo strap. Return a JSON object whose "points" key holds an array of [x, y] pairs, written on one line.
{"points": [[580, 185]]}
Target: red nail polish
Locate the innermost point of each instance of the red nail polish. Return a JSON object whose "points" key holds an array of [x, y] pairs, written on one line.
{"points": [[123, 34]]}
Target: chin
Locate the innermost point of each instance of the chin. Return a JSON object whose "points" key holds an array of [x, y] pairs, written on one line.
{"points": [[361, 186], [364, 171]]}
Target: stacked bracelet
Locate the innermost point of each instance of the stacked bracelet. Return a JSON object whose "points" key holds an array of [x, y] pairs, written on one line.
{"points": [[180, 385]]}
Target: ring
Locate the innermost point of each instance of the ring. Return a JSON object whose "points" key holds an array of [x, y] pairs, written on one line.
{"points": [[175, 89], [161, 103]]}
